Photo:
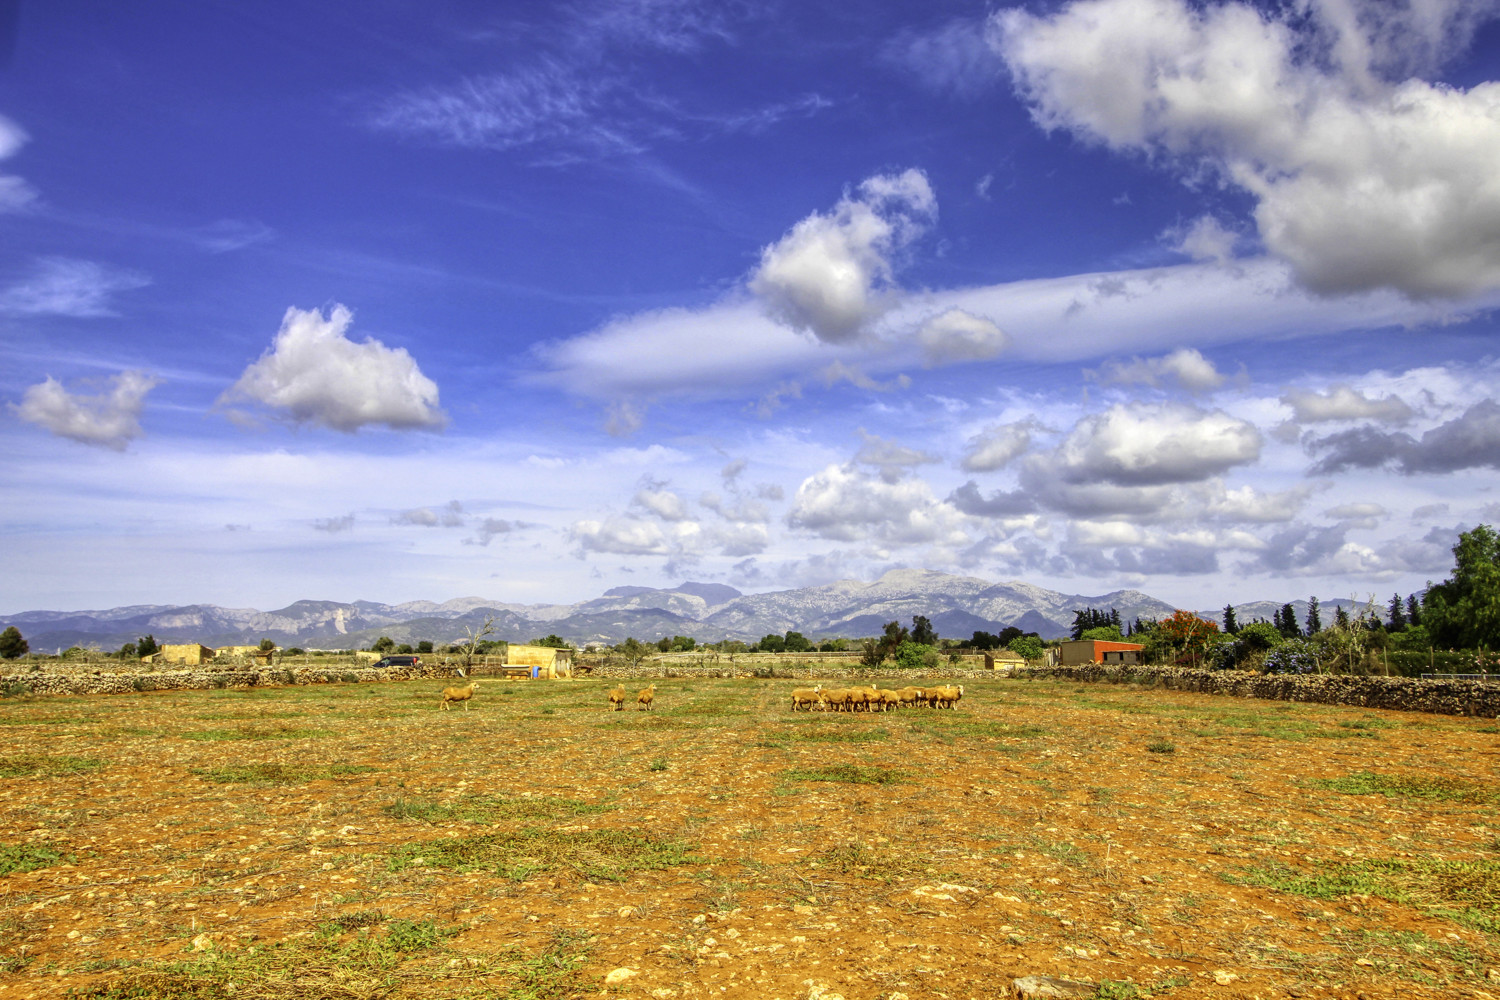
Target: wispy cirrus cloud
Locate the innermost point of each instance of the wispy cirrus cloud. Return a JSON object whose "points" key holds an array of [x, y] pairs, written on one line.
{"points": [[64, 286]]}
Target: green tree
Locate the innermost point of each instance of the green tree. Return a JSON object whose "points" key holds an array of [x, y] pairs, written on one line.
{"points": [[912, 654], [1103, 633], [425, 646], [921, 631], [1231, 625], [552, 642], [796, 642], [871, 653], [267, 645], [127, 652], [1285, 619], [1464, 610], [1413, 610], [383, 645], [406, 648], [1314, 617], [633, 650], [985, 640], [1029, 646], [12, 644], [893, 635], [146, 646], [1397, 614], [772, 643]]}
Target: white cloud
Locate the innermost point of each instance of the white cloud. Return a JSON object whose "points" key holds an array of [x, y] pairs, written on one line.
{"points": [[662, 503], [1184, 366], [1204, 239], [951, 58], [450, 516], [844, 504], [956, 335], [334, 525], [1343, 402], [63, 286], [833, 275], [628, 536], [110, 419], [1362, 180], [890, 458], [15, 193], [316, 375], [1151, 445], [1246, 504], [999, 444]]}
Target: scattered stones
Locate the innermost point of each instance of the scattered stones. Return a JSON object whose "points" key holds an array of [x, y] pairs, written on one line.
{"points": [[618, 976], [1224, 977], [1051, 988], [203, 942]]}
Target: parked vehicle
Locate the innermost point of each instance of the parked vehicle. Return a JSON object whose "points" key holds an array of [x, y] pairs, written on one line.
{"points": [[399, 661]]}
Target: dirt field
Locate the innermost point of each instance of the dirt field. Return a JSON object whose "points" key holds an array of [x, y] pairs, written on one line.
{"points": [[354, 841]]}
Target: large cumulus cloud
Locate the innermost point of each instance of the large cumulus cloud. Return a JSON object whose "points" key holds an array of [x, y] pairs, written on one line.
{"points": [[1364, 176], [315, 374]]}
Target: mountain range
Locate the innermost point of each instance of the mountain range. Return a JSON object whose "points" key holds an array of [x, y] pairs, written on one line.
{"points": [[957, 606]]}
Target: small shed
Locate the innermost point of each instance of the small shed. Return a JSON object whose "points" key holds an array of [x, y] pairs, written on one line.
{"points": [[546, 661], [187, 654], [1099, 651], [1001, 659]]}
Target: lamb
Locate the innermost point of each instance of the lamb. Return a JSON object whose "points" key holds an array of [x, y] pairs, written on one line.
{"points": [[646, 697], [806, 697], [617, 698], [463, 694]]}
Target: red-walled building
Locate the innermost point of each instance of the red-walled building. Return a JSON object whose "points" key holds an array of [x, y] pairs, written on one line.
{"points": [[1099, 651]]}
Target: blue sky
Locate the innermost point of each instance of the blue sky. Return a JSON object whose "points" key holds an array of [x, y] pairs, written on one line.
{"points": [[391, 301]]}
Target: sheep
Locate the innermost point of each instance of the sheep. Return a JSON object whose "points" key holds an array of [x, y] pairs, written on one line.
{"points": [[947, 696], [806, 697], [617, 698], [646, 697], [463, 694], [888, 699], [910, 695]]}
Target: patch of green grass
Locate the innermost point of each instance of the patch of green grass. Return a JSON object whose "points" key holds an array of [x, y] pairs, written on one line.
{"points": [[1430, 787], [853, 774], [278, 774], [16, 858], [490, 809], [1161, 746], [273, 732], [1467, 892], [555, 974], [39, 766], [659, 764], [606, 854]]}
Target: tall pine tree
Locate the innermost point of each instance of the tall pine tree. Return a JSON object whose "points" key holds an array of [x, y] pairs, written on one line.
{"points": [[1231, 626], [1413, 610], [1314, 617], [1397, 614]]}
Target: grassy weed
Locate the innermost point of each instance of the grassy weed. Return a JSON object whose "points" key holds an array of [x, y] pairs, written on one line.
{"points": [[272, 732], [1430, 787], [1467, 892], [38, 766], [278, 774], [490, 809], [605, 854], [26, 858], [853, 774]]}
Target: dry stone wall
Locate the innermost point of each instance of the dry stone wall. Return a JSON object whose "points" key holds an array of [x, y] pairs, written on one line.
{"points": [[1400, 694], [47, 683]]}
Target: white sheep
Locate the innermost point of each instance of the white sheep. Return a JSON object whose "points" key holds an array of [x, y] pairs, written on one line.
{"points": [[646, 697], [617, 698], [806, 697]]}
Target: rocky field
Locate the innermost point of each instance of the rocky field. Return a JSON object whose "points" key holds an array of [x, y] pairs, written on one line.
{"points": [[354, 841]]}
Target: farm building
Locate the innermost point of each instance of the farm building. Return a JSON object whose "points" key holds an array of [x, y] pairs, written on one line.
{"points": [[545, 661], [247, 654], [1002, 658], [1099, 651], [189, 654]]}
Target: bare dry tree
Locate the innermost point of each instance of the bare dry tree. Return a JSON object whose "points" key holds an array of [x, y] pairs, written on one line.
{"points": [[476, 636]]}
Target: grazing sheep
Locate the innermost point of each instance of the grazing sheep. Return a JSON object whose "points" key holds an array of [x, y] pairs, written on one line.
{"points": [[888, 699], [646, 697], [948, 696], [463, 694], [806, 697], [617, 698], [910, 696]]}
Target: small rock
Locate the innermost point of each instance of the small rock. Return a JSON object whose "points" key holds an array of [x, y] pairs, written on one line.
{"points": [[618, 976], [625, 911], [1049, 988], [203, 942], [1224, 977]]}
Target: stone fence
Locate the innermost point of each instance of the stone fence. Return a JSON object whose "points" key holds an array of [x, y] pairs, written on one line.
{"points": [[1400, 694], [43, 682], [647, 670]]}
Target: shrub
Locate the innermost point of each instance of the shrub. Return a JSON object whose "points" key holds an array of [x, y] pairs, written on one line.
{"points": [[915, 654], [1293, 656]]}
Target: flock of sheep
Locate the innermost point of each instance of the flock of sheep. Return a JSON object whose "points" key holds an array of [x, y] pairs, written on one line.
{"points": [[874, 699], [853, 699]]}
